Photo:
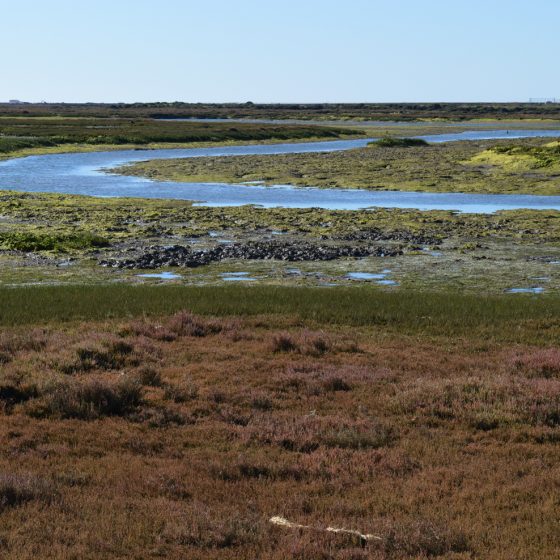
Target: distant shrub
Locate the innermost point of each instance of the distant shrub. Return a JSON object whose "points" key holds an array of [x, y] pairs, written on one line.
{"points": [[245, 469], [180, 324], [333, 384], [187, 324], [180, 394], [544, 411], [12, 393], [309, 433], [315, 343], [17, 489], [262, 403], [370, 437], [90, 399], [389, 142], [421, 539], [149, 376], [283, 342], [32, 340], [312, 343], [543, 362], [210, 529], [12, 144], [112, 354]]}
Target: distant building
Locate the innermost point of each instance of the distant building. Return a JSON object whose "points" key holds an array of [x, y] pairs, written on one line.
{"points": [[15, 101]]}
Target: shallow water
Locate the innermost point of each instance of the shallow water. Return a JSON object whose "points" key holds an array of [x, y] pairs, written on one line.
{"points": [[537, 290], [82, 174], [365, 276], [432, 253], [161, 275], [378, 278], [237, 277]]}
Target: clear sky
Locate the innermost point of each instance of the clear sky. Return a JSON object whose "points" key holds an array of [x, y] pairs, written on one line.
{"points": [[279, 50]]}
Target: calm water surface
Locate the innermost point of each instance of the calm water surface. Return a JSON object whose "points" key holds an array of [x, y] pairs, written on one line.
{"points": [[82, 173]]}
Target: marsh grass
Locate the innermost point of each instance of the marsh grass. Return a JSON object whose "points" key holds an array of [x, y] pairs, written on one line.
{"points": [[505, 317], [32, 241], [22, 133], [428, 442]]}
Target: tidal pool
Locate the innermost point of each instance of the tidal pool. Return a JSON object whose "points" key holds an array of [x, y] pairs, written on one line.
{"points": [[237, 277], [537, 290], [378, 278], [365, 276], [161, 275]]}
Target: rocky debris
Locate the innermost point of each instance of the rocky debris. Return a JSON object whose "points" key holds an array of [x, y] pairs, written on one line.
{"points": [[178, 255], [544, 259], [25, 258], [377, 235]]}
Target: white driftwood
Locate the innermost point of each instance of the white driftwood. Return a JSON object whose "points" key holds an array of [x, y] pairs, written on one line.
{"points": [[283, 522]]}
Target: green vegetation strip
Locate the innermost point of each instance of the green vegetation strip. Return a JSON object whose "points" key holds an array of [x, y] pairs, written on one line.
{"points": [[316, 111], [18, 134], [506, 317]]}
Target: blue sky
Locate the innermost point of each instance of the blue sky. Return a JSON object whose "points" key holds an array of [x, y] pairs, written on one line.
{"points": [[279, 51]]}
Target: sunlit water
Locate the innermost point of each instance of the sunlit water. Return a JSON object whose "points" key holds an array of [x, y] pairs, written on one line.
{"points": [[82, 174]]}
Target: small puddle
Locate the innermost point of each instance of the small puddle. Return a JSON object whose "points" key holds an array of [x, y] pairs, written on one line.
{"points": [[161, 275], [432, 253], [387, 283], [537, 290], [237, 277], [216, 235], [366, 276], [379, 278]]}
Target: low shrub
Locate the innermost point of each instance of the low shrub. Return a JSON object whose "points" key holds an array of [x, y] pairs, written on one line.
{"points": [[542, 362], [180, 394], [180, 324], [421, 539], [108, 355], [315, 344], [390, 142], [17, 489], [334, 384], [283, 342], [373, 436], [87, 400], [309, 433], [204, 527], [149, 377]]}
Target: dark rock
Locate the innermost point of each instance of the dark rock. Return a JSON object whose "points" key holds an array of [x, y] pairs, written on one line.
{"points": [[178, 255]]}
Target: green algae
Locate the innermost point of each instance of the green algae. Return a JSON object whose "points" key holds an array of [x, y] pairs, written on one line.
{"points": [[47, 239], [471, 167]]}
